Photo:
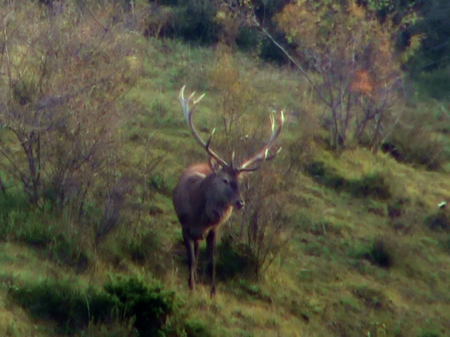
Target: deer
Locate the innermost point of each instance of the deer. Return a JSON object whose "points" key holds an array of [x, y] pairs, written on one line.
{"points": [[207, 192]]}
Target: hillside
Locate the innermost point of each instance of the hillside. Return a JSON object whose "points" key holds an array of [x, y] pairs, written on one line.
{"points": [[352, 242]]}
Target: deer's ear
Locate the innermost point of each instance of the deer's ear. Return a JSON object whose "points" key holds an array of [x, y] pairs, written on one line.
{"points": [[214, 165]]}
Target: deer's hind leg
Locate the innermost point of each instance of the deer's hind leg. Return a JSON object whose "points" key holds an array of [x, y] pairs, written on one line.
{"points": [[211, 248]]}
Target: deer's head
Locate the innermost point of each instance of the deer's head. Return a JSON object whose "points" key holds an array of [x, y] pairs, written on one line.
{"points": [[222, 186]]}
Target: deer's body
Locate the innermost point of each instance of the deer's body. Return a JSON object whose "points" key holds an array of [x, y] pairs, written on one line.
{"points": [[207, 192], [198, 210]]}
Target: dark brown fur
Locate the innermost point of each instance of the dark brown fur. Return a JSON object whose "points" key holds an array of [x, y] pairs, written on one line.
{"points": [[204, 199], [207, 193]]}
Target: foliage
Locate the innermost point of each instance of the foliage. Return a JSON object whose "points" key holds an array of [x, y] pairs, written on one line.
{"points": [[39, 228], [435, 28], [378, 251], [191, 20], [354, 56], [60, 301], [438, 221], [59, 114], [236, 98], [196, 328], [235, 259], [372, 184], [263, 228], [434, 84], [416, 139], [311, 288], [196, 21], [149, 307]]}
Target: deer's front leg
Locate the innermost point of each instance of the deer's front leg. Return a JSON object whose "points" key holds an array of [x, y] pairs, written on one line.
{"points": [[191, 259], [196, 255], [211, 249]]}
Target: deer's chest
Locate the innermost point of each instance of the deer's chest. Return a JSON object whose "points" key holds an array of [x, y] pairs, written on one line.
{"points": [[200, 230]]}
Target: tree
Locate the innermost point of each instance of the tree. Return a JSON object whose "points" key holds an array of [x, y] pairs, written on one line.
{"points": [[61, 76], [354, 58]]}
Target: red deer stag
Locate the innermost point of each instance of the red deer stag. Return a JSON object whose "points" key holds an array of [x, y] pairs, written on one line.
{"points": [[207, 192]]}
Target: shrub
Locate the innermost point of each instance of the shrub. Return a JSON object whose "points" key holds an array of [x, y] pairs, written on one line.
{"points": [[235, 259], [396, 208], [196, 328], [60, 95], [369, 185], [438, 221], [67, 250], [429, 333], [149, 306], [325, 175], [195, 21], [418, 139], [71, 308], [162, 184], [373, 184], [269, 52], [125, 299], [248, 39], [435, 84], [141, 246], [378, 252]]}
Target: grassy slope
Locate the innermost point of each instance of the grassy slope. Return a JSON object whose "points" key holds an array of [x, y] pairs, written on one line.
{"points": [[319, 286]]}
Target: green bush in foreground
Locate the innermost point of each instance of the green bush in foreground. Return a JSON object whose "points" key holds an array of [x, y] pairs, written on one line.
{"points": [[70, 307], [148, 306]]}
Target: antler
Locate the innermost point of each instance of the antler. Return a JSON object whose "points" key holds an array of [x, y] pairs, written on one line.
{"points": [[264, 154], [188, 106]]}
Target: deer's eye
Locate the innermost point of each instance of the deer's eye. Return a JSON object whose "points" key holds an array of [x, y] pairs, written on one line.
{"points": [[226, 181]]}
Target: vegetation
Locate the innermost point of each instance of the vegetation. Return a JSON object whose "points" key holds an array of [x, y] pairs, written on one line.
{"points": [[346, 233]]}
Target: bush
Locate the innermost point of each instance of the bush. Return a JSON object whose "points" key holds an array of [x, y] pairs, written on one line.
{"points": [[195, 21], [396, 208], [369, 185], [438, 221], [67, 250], [435, 84], [271, 53], [235, 259], [325, 175], [196, 328], [60, 112], [37, 228], [420, 138], [149, 306], [125, 299], [69, 307], [248, 39], [429, 333], [378, 252], [373, 184], [22, 223]]}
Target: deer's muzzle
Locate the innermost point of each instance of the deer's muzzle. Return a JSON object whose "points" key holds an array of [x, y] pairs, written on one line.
{"points": [[239, 204]]}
